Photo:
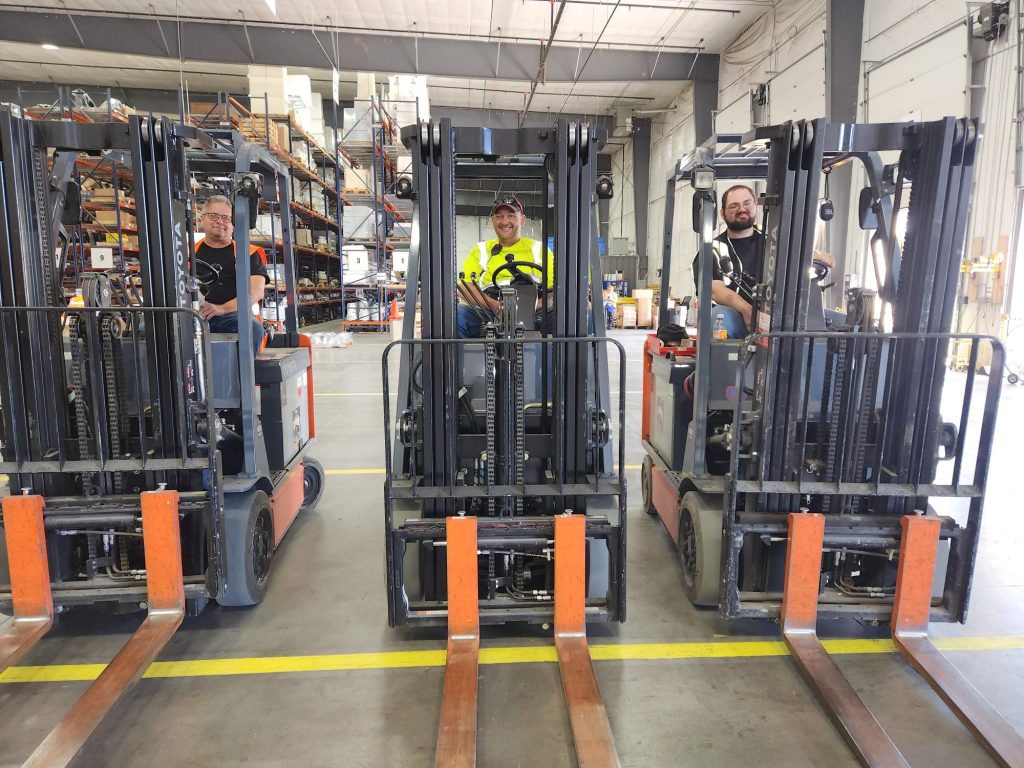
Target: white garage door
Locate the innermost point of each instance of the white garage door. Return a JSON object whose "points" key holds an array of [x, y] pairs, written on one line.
{"points": [[925, 83], [735, 118], [798, 92]]}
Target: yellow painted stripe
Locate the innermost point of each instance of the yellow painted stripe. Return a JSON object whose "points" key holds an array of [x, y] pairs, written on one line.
{"points": [[65, 673], [380, 470], [395, 394], [353, 394]]}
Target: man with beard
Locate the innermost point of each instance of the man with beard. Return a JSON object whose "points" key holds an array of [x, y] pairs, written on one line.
{"points": [[477, 269], [744, 246]]}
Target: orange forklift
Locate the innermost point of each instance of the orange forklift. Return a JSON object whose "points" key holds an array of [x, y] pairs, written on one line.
{"points": [[820, 468], [152, 464]]}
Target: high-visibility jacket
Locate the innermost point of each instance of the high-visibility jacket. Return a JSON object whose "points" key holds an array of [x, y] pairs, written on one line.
{"points": [[485, 257]]}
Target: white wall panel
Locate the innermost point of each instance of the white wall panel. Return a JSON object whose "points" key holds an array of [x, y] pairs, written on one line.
{"points": [[798, 91], [735, 117], [925, 83]]}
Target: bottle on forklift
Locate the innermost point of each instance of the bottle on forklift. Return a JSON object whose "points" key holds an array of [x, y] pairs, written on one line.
{"points": [[719, 331]]}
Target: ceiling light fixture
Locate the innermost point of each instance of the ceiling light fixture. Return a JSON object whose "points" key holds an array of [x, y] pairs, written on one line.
{"points": [[50, 47]]}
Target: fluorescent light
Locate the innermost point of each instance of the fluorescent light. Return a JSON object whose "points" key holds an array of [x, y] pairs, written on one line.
{"points": [[50, 47], [272, 5]]}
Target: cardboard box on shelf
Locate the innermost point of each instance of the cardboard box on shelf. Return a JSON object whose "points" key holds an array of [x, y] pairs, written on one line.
{"points": [[268, 225], [400, 261], [303, 237], [110, 219], [104, 195], [625, 315], [357, 259]]}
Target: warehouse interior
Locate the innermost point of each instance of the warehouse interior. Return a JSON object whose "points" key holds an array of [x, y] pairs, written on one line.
{"points": [[241, 544]]}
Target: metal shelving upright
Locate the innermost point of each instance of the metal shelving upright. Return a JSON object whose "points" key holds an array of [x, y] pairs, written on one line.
{"points": [[380, 156], [325, 302]]}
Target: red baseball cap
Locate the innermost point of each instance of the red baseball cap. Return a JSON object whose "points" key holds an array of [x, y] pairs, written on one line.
{"points": [[507, 201]]}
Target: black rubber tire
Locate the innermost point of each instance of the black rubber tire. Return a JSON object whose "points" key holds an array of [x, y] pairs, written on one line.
{"points": [[647, 485], [313, 480], [700, 547], [248, 547], [1013, 378]]}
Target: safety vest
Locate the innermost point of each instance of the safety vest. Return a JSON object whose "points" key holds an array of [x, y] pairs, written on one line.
{"points": [[252, 249], [484, 259]]}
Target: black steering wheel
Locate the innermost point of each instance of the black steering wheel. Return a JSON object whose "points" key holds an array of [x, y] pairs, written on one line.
{"points": [[513, 266]]}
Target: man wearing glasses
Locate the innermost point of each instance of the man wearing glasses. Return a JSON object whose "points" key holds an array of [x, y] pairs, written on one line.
{"points": [[215, 270], [742, 247], [477, 271]]}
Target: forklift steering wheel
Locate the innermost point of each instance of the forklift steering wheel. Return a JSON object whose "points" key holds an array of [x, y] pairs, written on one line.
{"points": [[511, 266]]}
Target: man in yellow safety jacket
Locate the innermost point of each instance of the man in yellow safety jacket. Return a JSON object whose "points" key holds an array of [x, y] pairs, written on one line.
{"points": [[482, 268]]}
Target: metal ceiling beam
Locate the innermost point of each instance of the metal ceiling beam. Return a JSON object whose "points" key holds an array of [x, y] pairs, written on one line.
{"points": [[293, 46], [844, 23], [544, 51]]}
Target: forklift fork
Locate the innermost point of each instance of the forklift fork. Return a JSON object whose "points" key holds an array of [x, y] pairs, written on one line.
{"points": [[456, 735], [920, 541], [456, 741], [30, 577], [799, 629], [166, 603], [591, 730], [909, 631]]}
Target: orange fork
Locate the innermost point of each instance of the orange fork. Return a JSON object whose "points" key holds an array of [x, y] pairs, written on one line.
{"points": [[162, 543], [456, 735], [30, 577]]}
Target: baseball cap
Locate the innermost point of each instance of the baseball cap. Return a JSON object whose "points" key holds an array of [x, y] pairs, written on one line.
{"points": [[506, 201]]}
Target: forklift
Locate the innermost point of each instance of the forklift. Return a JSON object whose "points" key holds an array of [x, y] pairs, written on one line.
{"points": [[151, 463], [504, 493], [819, 468]]}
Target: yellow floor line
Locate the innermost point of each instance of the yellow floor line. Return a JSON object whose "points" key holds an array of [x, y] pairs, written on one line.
{"points": [[395, 394], [380, 470], [65, 673], [352, 394]]}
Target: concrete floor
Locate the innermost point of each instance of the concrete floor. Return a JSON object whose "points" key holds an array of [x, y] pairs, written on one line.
{"points": [[326, 596]]}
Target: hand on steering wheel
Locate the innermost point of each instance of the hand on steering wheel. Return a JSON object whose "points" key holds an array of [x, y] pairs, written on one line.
{"points": [[513, 266]]}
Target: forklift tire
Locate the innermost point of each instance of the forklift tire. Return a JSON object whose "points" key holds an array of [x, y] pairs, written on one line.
{"points": [[1013, 378], [700, 547], [248, 547], [647, 485], [312, 483]]}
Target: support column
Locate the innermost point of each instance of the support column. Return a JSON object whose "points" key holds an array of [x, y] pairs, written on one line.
{"points": [[641, 184], [705, 102], [844, 25]]}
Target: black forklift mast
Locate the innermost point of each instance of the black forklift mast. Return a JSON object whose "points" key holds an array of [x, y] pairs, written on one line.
{"points": [[820, 478], [513, 427], [127, 393], [840, 418]]}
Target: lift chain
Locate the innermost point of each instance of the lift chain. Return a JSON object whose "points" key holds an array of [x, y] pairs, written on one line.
{"points": [[78, 354], [111, 369], [867, 407], [40, 174], [834, 418], [489, 370], [519, 459]]}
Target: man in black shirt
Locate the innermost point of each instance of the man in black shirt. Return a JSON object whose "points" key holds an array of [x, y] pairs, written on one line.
{"points": [[743, 246], [215, 270]]}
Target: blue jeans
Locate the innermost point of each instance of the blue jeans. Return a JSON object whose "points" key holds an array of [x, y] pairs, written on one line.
{"points": [[470, 324], [733, 320], [229, 324]]}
